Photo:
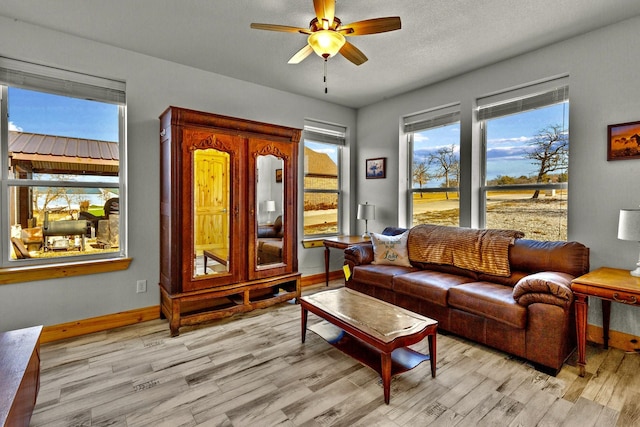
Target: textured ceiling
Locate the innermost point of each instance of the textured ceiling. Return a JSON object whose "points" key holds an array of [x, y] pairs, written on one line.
{"points": [[438, 39]]}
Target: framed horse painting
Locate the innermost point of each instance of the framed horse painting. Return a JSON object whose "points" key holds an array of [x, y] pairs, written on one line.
{"points": [[623, 141]]}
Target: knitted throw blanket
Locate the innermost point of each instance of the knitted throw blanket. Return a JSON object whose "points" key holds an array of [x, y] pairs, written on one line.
{"points": [[483, 251]]}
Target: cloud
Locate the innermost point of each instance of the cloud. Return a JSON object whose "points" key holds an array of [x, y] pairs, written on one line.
{"points": [[13, 127], [420, 137], [517, 140], [507, 153]]}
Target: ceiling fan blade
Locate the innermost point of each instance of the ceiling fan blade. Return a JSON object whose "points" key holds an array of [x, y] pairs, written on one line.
{"points": [[301, 54], [325, 10], [353, 54], [371, 26], [281, 28]]}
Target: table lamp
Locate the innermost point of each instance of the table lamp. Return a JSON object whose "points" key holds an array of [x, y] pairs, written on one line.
{"points": [[629, 229], [366, 212], [270, 206]]}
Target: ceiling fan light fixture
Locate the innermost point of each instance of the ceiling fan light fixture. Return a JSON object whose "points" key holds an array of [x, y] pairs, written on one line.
{"points": [[326, 43]]}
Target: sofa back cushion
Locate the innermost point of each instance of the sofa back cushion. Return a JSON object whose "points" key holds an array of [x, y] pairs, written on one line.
{"points": [[533, 256], [484, 251]]}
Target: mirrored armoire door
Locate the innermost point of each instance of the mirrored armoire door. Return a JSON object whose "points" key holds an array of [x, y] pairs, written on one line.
{"points": [[271, 216], [210, 160]]}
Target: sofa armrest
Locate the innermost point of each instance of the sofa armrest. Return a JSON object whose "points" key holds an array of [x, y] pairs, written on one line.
{"points": [[547, 287], [359, 254]]}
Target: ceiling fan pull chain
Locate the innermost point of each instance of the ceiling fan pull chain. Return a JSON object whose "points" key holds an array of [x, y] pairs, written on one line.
{"points": [[325, 75]]}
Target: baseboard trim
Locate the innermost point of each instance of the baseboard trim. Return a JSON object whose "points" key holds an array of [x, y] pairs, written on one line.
{"points": [[98, 324], [314, 279], [619, 340]]}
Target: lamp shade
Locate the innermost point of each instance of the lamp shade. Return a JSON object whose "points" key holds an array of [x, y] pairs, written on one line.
{"points": [[366, 211], [270, 206], [629, 225], [326, 43]]}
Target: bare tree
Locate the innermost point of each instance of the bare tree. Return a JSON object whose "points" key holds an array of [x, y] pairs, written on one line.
{"points": [[49, 195], [550, 151], [448, 163], [421, 174]]}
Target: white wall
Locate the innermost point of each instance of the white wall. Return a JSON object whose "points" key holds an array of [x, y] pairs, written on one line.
{"points": [[603, 86], [152, 85]]}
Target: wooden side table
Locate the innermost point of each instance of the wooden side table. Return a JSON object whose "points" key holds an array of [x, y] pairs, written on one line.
{"points": [[338, 242], [608, 284]]}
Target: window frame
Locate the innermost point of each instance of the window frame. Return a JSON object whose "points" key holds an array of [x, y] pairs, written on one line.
{"points": [[518, 101], [442, 116], [333, 135], [25, 75]]}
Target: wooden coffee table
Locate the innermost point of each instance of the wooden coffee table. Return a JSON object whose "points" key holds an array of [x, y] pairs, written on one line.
{"points": [[376, 333]]}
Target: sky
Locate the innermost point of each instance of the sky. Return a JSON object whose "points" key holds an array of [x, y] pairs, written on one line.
{"points": [[38, 112], [507, 140], [43, 113]]}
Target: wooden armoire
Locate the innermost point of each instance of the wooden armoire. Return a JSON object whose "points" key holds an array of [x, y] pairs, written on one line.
{"points": [[227, 216]]}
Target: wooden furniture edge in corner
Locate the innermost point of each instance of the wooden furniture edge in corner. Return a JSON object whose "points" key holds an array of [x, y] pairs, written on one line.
{"points": [[56, 271], [19, 375]]}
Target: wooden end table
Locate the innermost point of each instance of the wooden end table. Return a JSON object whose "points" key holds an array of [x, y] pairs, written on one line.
{"points": [[338, 242], [608, 284], [377, 333]]}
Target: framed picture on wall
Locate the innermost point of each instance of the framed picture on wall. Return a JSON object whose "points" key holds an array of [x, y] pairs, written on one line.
{"points": [[278, 175], [376, 168], [623, 141]]}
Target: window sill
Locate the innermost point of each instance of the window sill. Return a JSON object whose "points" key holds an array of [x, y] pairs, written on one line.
{"points": [[30, 274]]}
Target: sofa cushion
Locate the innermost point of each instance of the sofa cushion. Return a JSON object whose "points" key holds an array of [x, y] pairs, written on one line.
{"points": [[533, 256], [390, 250], [379, 275], [449, 269], [432, 286], [489, 300]]}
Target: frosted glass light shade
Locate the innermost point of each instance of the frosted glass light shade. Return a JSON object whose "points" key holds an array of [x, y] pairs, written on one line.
{"points": [[326, 43]]}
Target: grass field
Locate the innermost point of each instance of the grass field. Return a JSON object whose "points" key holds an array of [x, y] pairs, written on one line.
{"points": [[544, 218]]}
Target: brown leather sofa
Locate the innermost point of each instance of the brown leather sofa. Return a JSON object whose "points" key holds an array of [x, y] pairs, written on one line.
{"points": [[526, 314]]}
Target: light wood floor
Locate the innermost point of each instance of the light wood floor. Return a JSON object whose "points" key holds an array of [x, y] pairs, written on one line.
{"points": [[252, 370]]}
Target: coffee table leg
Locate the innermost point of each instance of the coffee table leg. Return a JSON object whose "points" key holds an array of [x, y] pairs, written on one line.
{"points": [[305, 314], [432, 354], [386, 375]]}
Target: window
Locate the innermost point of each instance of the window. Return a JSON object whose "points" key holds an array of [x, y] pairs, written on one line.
{"points": [[323, 145], [434, 172], [62, 142], [526, 139]]}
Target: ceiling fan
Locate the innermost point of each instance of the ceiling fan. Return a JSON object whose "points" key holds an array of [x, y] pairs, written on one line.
{"points": [[327, 33]]}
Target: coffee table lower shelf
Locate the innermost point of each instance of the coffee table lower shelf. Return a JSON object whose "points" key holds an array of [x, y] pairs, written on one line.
{"points": [[402, 359]]}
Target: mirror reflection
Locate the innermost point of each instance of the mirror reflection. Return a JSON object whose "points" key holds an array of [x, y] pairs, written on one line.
{"points": [[269, 200], [211, 210]]}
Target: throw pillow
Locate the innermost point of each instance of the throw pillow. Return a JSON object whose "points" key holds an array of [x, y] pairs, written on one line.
{"points": [[390, 250]]}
